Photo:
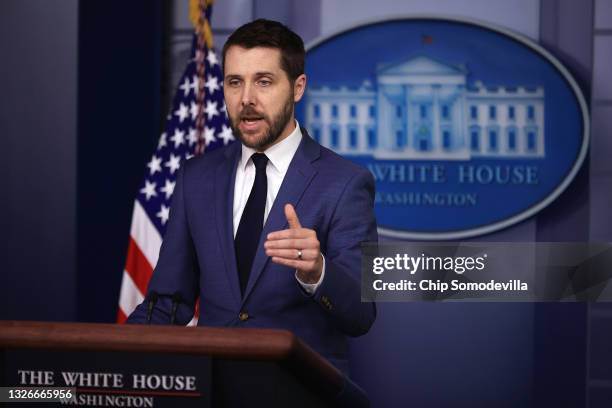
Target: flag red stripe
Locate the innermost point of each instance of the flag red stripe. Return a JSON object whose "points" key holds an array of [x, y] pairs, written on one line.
{"points": [[138, 267], [121, 317]]}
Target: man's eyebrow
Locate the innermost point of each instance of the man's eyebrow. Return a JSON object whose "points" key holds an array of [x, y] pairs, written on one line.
{"points": [[257, 74]]}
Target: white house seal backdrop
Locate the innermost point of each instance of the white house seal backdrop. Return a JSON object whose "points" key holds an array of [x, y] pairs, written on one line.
{"points": [[467, 128]]}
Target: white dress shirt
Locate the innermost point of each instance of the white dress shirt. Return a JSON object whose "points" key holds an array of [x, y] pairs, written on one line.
{"points": [[279, 158]]}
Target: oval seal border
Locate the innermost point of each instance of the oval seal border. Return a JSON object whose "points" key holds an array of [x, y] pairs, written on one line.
{"points": [[527, 42]]}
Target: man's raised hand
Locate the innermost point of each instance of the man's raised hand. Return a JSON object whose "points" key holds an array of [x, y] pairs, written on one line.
{"points": [[296, 247]]}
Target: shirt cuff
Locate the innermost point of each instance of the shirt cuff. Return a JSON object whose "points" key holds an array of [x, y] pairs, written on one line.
{"points": [[311, 288]]}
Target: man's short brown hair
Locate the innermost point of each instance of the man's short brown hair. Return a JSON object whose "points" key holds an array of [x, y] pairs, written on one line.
{"points": [[271, 34]]}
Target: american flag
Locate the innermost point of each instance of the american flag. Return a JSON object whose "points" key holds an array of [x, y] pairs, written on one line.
{"points": [[197, 123]]}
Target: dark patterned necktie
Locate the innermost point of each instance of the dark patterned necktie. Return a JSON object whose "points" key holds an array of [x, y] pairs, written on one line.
{"points": [[251, 222]]}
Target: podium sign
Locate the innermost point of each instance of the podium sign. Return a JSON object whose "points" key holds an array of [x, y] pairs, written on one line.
{"points": [[113, 379]]}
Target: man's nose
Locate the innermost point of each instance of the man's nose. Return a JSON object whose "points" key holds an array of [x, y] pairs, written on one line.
{"points": [[248, 95]]}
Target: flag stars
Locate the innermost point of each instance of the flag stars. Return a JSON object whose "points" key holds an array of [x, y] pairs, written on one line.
{"points": [[168, 188], [154, 165], [178, 138], [192, 137], [209, 135], [195, 83], [226, 134], [185, 87], [211, 109], [182, 112], [174, 163], [193, 110], [212, 58], [149, 190], [163, 214], [162, 141], [212, 84]]}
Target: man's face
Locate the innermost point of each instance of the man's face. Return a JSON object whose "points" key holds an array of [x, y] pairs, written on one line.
{"points": [[259, 96]]}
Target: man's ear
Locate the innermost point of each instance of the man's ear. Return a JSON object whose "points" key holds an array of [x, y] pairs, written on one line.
{"points": [[299, 86]]}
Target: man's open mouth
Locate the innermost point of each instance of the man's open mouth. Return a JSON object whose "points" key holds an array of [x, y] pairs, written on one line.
{"points": [[250, 118], [250, 122]]}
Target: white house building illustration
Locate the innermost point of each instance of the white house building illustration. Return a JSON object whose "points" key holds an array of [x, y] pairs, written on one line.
{"points": [[424, 109]]}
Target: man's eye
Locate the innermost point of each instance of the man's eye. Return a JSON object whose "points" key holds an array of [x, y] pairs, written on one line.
{"points": [[234, 82], [265, 82]]}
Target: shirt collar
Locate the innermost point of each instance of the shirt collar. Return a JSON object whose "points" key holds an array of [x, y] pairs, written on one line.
{"points": [[280, 154]]}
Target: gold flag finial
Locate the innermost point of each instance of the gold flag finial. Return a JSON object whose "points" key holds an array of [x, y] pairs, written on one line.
{"points": [[198, 18]]}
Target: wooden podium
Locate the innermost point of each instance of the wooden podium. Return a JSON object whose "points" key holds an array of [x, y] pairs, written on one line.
{"points": [[249, 367]]}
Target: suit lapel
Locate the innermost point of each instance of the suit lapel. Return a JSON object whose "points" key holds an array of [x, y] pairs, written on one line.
{"points": [[225, 177], [299, 175]]}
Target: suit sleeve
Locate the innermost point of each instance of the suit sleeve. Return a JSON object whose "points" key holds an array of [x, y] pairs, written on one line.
{"points": [[177, 268], [352, 223]]}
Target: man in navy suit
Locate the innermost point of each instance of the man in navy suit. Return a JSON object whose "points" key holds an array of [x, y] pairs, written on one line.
{"points": [[267, 232]]}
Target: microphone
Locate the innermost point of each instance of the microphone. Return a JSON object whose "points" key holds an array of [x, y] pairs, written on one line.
{"points": [[153, 296], [176, 300]]}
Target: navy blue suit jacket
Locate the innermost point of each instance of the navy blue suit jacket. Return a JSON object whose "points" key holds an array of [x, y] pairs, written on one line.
{"points": [[330, 194]]}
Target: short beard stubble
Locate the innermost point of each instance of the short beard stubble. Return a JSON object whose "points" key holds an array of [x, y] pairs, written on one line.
{"points": [[276, 125]]}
